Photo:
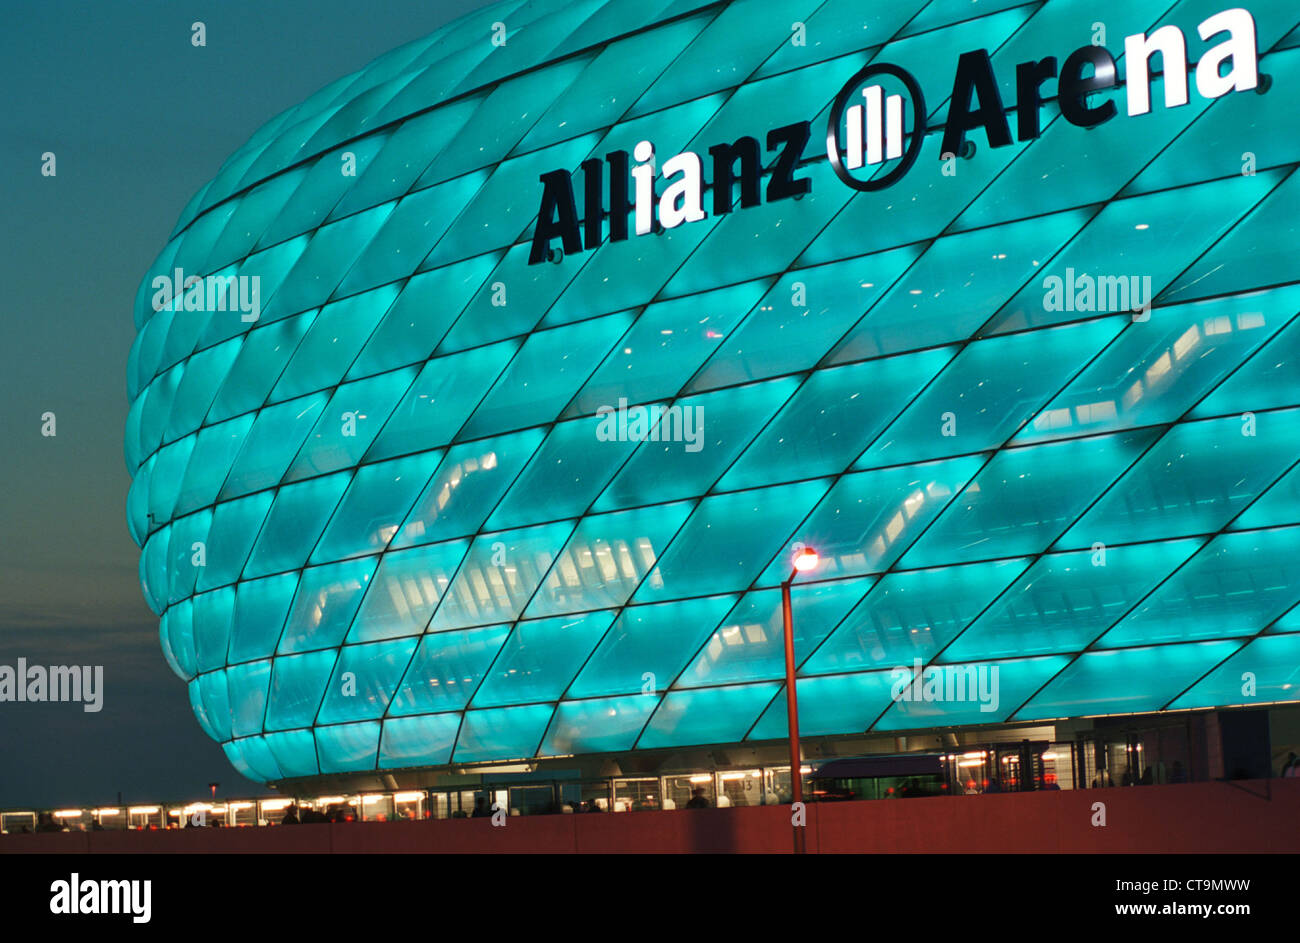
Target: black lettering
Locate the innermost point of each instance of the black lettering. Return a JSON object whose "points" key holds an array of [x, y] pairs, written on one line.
{"points": [[619, 206], [1030, 77], [593, 212], [724, 167], [558, 216], [793, 138], [975, 74], [1072, 93]]}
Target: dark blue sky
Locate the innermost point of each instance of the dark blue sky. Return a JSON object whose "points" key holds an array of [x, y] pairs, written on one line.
{"points": [[139, 119]]}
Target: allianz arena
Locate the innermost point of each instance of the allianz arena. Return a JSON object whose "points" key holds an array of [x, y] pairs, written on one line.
{"points": [[419, 490]]}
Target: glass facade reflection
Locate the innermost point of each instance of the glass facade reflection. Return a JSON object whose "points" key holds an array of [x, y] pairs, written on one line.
{"points": [[398, 514]]}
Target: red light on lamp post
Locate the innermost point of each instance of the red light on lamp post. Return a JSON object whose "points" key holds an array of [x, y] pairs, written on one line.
{"points": [[804, 561]]}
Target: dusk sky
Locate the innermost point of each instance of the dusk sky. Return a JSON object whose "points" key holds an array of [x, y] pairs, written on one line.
{"points": [[138, 119]]}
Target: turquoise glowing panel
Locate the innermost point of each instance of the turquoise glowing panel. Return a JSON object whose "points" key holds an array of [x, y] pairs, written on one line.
{"points": [[253, 758], [213, 613], [1024, 499], [330, 344], [426, 307], [495, 217], [393, 454], [408, 235], [706, 715], [447, 669], [499, 575], [720, 425], [607, 558], [177, 631], [750, 642], [1066, 601], [467, 485], [294, 752], [203, 376], [405, 590], [972, 693], [547, 371], [727, 52], [567, 472], [404, 157], [349, 423], [647, 647], [610, 83], [498, 123], [294, 524], [515, 298], [834, 29], [187, 554], [540, 659], [441, 399], [1209, 148], [502, 732], [1270, 378], [840, 703], [665, 347], [1125, 681], [1158, 368], [801, 317], [418, 741], [331, 251], [1274, 660], [773, 234], [869, 518], [1279, 505], [1237, 585], [951, 289], [297, 683], [216, 703], [912, 615], [364, 680], [1112, 146], [610, 723], [1255, 251], [826, 425], [248, 685], [257, 211], [213, 454], [262, 357], [1167, 231], [374, 506], [260, 610], [235, 525], [348, 747], [933, 201], [988, 391], [272, 443], [269, 268], [165, 480], [1196, 478], [320, 191], [728, 539], [327, 599]]}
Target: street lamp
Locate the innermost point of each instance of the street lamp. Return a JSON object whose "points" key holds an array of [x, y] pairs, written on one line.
{"points": [[804, 561]]}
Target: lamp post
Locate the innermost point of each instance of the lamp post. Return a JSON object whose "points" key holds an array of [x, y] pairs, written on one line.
{"points": [[805, 560]]}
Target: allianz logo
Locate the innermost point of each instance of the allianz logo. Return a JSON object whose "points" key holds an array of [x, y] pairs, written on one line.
{"points": [[867, 131]]}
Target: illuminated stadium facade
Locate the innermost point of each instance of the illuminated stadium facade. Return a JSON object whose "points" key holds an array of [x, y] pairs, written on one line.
{"points": [[424, 484]]}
